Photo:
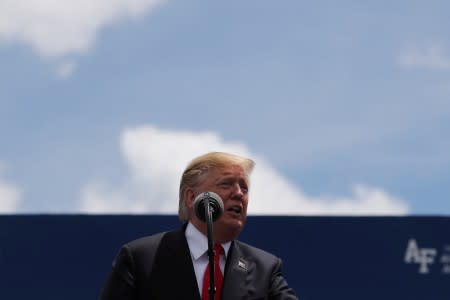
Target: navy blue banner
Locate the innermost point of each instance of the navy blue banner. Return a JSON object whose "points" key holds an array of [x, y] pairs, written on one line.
{"points": [[352, 258]]}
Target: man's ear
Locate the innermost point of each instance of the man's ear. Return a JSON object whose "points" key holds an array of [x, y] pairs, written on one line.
{"points": [[189, 197]]}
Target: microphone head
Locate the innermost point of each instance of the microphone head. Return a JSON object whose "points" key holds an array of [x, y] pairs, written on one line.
{"points": [[215, 202]]}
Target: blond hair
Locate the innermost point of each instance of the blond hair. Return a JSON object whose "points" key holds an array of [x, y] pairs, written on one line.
{"points": [[199, 167]]}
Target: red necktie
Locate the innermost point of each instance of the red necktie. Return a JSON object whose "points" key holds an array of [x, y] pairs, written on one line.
{"points": [[218, 277]]}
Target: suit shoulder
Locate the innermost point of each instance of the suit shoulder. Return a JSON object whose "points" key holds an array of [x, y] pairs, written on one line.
{"points": [[249, 250], [145, 243]]}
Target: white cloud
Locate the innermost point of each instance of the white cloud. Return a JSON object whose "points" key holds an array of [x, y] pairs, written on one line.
{"points": [[157, 157], [431, 57], [56, 28], [9, 197], [66, 69]]}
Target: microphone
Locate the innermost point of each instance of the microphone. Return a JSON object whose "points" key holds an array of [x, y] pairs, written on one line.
{"points": [[208, 207], [213, 200]]}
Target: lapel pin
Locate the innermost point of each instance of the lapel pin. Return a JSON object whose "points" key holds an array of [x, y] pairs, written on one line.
{"points": [[242, 265]]}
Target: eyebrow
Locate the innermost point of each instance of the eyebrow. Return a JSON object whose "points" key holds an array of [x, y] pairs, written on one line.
{"points": [[229, 175]]}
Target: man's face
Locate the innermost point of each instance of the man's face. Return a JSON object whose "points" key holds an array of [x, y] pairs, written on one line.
{"points": [[231, 184]]}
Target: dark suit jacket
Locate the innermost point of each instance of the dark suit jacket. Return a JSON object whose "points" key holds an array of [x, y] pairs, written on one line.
{"points": [[160, 267]]}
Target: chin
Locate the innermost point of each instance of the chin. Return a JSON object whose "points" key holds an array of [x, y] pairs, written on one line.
{"points": [[229, 229], [235, 225]]}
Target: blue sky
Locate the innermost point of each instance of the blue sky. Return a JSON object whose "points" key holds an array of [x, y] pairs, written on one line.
{"points": [[343, 105]]}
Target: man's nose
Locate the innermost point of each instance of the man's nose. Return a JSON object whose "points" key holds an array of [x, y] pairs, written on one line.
{"points": [[237, 191]]}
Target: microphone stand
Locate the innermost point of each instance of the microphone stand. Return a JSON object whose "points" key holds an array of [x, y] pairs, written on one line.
{"points": [[209, 225]]}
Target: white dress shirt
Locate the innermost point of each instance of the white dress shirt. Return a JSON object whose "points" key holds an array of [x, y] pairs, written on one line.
{"points": [[198, 246]]}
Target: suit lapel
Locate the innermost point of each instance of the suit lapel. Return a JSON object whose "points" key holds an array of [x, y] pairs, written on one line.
{"points": [[174, 273], [238, 272]]}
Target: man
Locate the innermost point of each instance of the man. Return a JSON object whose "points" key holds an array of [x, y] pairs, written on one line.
{"points": [[173, 265]]}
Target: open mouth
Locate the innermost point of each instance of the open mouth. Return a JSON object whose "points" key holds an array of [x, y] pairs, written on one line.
{"points": [[235, 208]]}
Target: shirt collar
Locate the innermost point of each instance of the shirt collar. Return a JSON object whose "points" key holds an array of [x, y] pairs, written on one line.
{"points": [[198, 242]]}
